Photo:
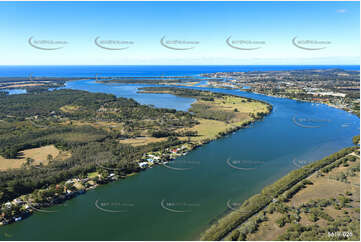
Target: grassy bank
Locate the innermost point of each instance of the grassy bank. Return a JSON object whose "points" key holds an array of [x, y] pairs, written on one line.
{"points": [[217, 114], [270, 193]]}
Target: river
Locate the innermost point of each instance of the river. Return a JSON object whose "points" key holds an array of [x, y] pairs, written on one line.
{"points": [[165, 204]]}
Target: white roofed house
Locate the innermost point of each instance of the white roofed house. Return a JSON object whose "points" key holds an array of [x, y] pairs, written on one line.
{"points": [[143, 165], [18, 201], [8, 205]]}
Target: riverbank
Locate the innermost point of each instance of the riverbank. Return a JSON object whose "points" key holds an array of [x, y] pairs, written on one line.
{"points": [[244, 220], [354, 111], [325, 206]]}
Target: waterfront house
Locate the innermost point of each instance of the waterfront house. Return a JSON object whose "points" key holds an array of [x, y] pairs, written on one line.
{"points": [[18, 219], [154, 157], [143, 165], [69, 182], [17, 201], [69, 192]]}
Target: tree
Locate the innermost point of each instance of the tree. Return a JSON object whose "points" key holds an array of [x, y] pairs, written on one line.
{"points": [[49, 158], [235, 235], [356, 139], [29, 161]]}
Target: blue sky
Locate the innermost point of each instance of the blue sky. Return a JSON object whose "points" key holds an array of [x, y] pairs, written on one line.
{"points": [[272, 25]]}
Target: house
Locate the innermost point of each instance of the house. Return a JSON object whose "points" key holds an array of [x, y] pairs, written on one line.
{"points": [[154, 157], [150, 162], [112, 176], [69, 192], [8, 205], [143, 165], [18, 219], [18, 201]]}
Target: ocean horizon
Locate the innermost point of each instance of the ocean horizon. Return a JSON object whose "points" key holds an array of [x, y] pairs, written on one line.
{"points": [[148, 70]]}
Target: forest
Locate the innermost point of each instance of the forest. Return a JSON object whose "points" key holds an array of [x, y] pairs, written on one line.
{"points": [[78, 122]]}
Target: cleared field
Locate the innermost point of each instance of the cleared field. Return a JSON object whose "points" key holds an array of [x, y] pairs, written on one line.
{"points": [[209, 129], [243, 106], [69, 108], [39, 155], [215, 115], [237, 108], [141, 141], [22, 85]]}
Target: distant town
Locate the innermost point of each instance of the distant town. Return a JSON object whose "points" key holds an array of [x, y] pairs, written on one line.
{"points": [[336, 87]]}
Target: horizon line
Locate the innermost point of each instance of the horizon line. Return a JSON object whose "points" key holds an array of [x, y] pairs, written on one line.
{"points": [[201, 65]]}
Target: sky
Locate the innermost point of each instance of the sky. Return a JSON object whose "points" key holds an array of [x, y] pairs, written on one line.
{"points": [[179, 33]]}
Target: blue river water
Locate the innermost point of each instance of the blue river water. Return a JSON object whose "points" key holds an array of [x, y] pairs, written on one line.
{"points": [[130, 91], [148, 201]]}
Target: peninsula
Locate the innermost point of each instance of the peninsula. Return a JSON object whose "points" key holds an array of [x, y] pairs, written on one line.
{"points": [[57, 144]]}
